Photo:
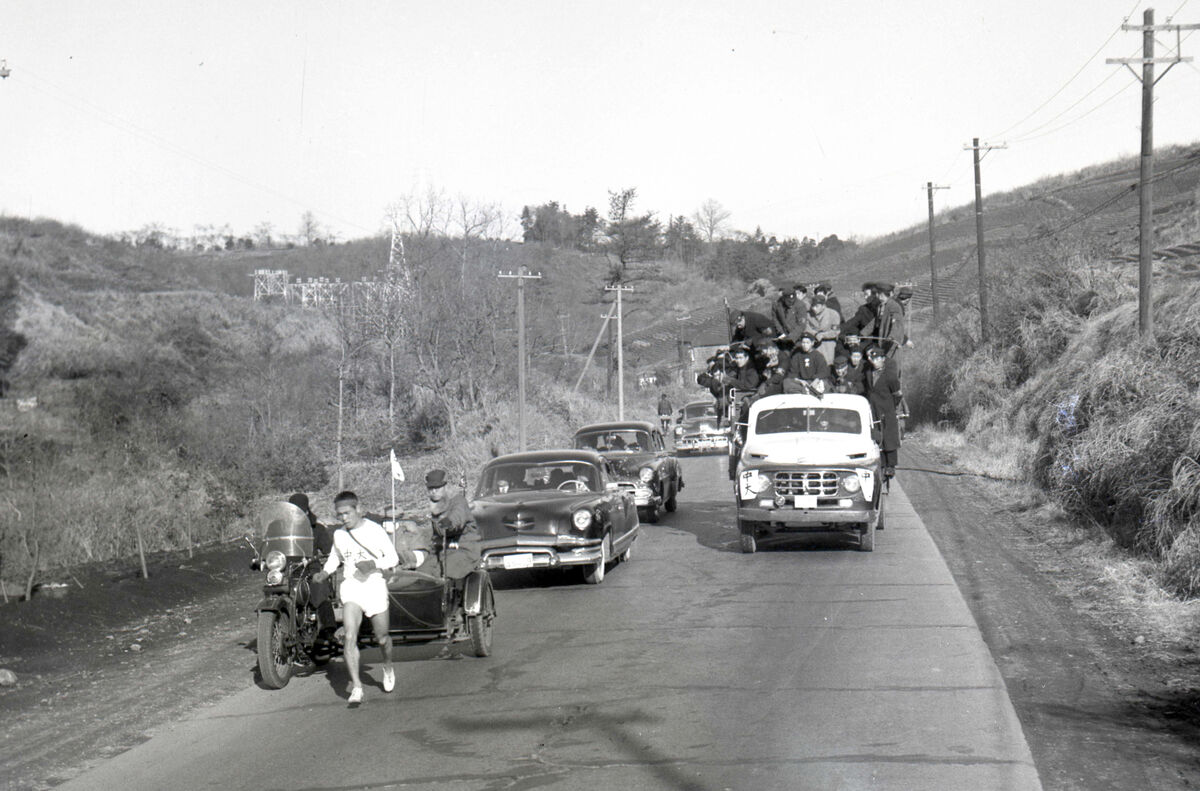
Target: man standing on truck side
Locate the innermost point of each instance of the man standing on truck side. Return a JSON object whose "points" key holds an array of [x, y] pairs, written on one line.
{"points": [[883, 391]]}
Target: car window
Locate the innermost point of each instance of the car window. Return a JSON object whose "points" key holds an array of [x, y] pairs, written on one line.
{"points": [[808, 419], [618, 440], [544, 476], [699, 410]]}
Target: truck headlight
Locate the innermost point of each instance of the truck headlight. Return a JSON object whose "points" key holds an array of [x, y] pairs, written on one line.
{"points": [[851, 483], [753, 482], [275, 560], [582, 519], [646, 474]]}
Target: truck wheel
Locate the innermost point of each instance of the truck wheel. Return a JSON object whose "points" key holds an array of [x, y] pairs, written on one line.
{"points": [[866, 538]]}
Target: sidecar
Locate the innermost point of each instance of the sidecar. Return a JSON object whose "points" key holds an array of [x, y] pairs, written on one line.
{"points": [[425, 606]]}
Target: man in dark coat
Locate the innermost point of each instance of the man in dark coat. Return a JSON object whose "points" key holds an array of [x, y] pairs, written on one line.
{"points": [[322, 545], [748, 325], [744, 376], [806, 368], [883, 391], [889, 327], [456, 538], [863, 321], [787, 319]]}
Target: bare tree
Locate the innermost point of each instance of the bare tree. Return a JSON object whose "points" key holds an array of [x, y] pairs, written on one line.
{"points": [[710, 219], [310, 228]]}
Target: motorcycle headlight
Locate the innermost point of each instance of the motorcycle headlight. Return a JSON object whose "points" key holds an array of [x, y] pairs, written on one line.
{"points": [[275, 560], [646, 474], [274, 577], [851, 483], [582, 519]]}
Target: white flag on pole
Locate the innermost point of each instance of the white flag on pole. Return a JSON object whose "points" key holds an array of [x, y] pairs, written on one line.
{"points": [[397, 472]]}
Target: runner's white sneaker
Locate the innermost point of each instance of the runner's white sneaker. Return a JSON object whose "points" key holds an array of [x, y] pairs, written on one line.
{"points": [[389, 679], [356, 695]]}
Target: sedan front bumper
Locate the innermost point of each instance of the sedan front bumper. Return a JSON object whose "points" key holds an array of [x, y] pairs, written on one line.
{"points": [[541, 557]]}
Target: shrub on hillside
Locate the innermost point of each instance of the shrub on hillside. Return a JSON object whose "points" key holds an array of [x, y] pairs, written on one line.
{"points": [[1117, 420]]}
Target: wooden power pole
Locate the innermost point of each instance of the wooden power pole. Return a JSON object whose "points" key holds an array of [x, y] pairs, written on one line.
{"points": [[617, 287], [983, 301], [1146, 174], [521, 276], [933, 284]]}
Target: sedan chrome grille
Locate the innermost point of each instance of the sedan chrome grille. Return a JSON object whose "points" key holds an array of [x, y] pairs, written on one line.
{"points": [[819, 482], [520, 521]]}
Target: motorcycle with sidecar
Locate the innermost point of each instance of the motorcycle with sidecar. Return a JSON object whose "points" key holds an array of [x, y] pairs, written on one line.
{"points": [[424, 604]]}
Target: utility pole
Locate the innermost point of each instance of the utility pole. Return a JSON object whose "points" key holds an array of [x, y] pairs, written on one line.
{"points": [[521, 276], [930, 187], [983, 311], [617, 287], [1146, 176]]}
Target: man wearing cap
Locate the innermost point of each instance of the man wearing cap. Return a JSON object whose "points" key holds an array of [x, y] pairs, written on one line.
{"points": [[783, 310], [824, 325], [455, 535], [831, 302], [365, 551], [890, 325], [807, 369], [883, 391]]}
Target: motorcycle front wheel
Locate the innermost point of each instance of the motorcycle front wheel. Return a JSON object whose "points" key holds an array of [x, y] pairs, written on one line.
{"points": [[274, 658]]}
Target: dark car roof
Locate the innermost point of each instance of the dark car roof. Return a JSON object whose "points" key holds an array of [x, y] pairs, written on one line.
{"points": [[618, 425], [542, 456]]}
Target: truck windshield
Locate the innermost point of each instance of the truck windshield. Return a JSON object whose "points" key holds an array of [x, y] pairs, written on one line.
{"points": [[818, 419]]}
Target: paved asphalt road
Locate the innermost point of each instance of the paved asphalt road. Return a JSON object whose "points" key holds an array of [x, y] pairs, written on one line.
{"points": [[691, 667]]}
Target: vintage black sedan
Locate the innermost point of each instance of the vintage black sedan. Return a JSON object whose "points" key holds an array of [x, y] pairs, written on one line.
{"points": [[644, 465], [551, 509]]}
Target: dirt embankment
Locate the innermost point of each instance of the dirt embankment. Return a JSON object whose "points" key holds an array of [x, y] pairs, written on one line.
{"points": [[117, 655]]}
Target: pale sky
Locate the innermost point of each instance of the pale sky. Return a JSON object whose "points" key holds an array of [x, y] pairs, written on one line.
{"points": [[804, 118]]}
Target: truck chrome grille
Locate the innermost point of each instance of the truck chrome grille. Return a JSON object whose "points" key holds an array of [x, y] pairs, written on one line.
{"points": [[819, 482]]}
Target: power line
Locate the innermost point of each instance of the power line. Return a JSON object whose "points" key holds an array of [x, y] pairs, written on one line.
{"points": [[1078, 118], [1071, 79]]}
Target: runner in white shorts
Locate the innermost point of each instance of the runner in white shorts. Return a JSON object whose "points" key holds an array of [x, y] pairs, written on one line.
{"points": [[364, 550]]}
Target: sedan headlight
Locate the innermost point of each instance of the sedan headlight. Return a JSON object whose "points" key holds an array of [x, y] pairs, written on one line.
{"points": [[582, 519], [678, 431], [851, 483], [275, 560], [646, 474], [274, 577]]}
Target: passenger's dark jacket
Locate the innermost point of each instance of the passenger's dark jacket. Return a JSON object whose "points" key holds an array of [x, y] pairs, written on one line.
{"points": [[788, 319], [863, 320], [808, 366], [745, 378], [757, 326]]}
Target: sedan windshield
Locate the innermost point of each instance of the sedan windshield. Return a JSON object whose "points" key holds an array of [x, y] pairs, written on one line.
{"points": [[707, 409], [610, 441], [566, 476], [796, 419]]}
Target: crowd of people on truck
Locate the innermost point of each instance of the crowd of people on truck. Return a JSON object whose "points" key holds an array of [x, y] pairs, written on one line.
{"points": [[807, 346]]}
